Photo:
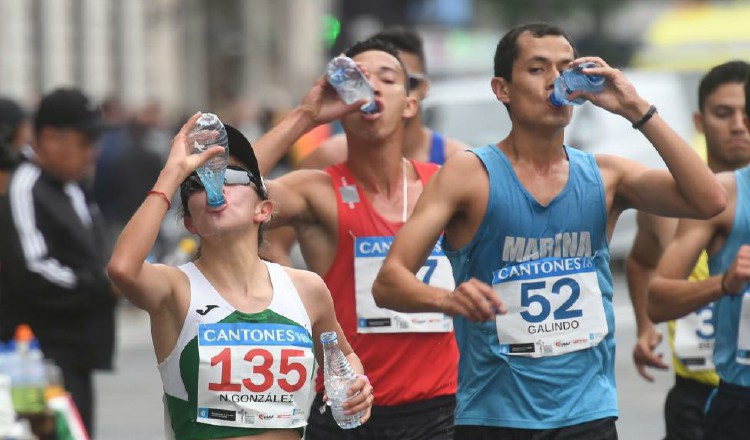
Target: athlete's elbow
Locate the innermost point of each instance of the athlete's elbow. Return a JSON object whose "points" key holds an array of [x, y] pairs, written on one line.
{"points": [[381, 290], [656, 313], [121, 273], [714, 205]]}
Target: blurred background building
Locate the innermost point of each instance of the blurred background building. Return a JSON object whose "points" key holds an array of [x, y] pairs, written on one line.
{"points": [[189, 54]]}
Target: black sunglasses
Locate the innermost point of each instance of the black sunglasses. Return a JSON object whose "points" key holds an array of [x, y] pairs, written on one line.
{"points": [[416, 80], [234, 176]]}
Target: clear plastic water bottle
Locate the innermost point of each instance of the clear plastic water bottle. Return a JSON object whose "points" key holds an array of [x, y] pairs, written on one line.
{"points": [[571, 80], [28, 378], [7, 414], [208, 132], [350, 83], [338, 377]]}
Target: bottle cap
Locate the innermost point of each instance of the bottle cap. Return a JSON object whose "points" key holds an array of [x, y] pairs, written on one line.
{"points": [[554, 101], [327, 337], [24, 333]]}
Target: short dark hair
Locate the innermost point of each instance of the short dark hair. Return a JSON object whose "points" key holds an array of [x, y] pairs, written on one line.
{"points": [[507, 49], [729, 72], [747, 97], [405, 40], [381, 45]]}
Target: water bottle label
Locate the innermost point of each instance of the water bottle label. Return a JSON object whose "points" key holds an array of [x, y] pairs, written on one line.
{"points": [[554, 307], [254, 375], [694, 339], [369, 253]]}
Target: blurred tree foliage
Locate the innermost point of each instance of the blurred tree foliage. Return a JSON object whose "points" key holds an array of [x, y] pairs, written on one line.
{"points": [[584, 20]]}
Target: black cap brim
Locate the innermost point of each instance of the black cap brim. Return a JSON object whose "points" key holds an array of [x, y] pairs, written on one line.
{"points": [[241, 149]]}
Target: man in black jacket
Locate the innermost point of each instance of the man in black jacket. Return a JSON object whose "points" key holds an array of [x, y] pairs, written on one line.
{"points": [[51, 248]]}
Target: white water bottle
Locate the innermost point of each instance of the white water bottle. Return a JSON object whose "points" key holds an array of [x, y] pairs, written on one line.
{"points": [[338, 377], [350, 83], [209, 132]]}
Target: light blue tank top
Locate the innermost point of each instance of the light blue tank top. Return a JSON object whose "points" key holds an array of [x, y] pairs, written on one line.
{"points": [[727, 309], [495, 388]]}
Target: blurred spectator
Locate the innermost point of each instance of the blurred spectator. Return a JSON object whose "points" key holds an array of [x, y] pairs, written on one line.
{"points": [[130, 159], [14, 134], [52, 248]]}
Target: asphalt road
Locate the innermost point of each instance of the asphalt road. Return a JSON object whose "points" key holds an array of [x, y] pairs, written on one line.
{"points": [[129, 399]]}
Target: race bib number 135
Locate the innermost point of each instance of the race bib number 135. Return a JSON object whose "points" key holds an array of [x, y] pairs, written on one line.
{"points": [[253, 375]]}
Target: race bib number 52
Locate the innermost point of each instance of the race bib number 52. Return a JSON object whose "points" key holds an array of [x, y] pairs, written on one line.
{"points": [[554, 306]]}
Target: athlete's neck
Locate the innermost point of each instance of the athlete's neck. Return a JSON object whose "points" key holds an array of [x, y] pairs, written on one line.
{"points": [[377, 168], [718, 166], [232, 262], [539, 148], [417, 139]]}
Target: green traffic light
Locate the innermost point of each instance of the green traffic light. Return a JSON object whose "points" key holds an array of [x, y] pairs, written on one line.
{"points": [[331, 29]]}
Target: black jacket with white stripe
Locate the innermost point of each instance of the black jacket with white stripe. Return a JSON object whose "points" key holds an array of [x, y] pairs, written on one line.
{"points": [[52, 269]]}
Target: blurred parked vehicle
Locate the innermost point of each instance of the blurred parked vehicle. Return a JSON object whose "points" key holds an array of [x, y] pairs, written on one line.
{"points": [[466, 109]]}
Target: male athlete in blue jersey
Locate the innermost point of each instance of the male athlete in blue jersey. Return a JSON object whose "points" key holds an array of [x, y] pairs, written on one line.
{"points": [[526, 224], [726, 238]]}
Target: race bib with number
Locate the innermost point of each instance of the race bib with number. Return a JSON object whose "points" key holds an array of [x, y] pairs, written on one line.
{"points": [[743, 332], [694, 339], [554, 307], [369, 253], [254, 375]]}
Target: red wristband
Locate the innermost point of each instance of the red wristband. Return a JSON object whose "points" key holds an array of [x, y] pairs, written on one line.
{"points": [[163, 196]]}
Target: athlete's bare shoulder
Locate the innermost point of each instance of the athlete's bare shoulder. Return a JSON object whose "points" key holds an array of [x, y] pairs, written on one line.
{"points": [[307, 282], [301, 178], [453, 146], [312, 291]]}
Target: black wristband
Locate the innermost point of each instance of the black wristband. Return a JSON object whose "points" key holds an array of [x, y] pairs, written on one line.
{"points": [[645, 118], [724, 290]]}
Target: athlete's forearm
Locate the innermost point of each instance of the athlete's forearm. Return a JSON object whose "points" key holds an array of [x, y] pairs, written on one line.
{"points": [[270, 148], [397, 288], [139, 235], [672, 299], [638, 277], [696, 183]]}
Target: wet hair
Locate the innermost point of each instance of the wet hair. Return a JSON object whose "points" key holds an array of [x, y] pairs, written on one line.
{"points": [[729, 72], [383, 46], [507, 50], [405, 40]]}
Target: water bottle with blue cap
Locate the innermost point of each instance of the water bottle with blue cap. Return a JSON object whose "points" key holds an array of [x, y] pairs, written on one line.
{"points": [[209, 132]]}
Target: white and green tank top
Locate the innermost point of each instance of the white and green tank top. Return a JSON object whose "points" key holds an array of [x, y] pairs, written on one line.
{"points": [[234, 373]]}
